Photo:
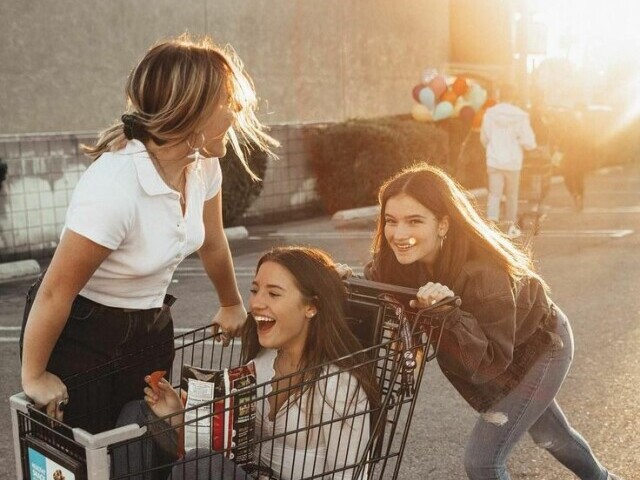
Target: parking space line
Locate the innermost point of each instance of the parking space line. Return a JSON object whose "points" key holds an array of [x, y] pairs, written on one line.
{"points": [[315, 235], [634, 209], [240, 273], [586, 233]]}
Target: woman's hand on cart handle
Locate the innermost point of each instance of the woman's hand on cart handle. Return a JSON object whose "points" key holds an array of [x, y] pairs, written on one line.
{"points": [[48, 391], [430, 294], [228, 322]]}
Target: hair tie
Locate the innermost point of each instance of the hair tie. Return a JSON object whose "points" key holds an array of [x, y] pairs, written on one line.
{"points": [[132, 127]]}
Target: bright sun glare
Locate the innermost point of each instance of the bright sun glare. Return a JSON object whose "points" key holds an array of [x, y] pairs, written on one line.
{"points": [[600, 40]]}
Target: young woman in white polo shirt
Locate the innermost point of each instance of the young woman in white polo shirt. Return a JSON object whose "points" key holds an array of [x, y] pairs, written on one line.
{"points": [[150, 199]]}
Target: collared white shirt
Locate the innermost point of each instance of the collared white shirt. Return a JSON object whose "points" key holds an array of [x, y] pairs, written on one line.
{"points": [[122, 203], [333, 438]]}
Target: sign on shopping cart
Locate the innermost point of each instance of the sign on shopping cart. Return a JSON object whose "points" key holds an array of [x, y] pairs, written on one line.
{"points": [[47, 463]]}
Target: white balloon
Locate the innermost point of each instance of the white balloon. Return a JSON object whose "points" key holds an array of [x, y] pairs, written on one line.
{"points": [[421, 113], [443, 110]]}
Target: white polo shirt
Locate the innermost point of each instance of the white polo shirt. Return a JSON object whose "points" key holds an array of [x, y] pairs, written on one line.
{"points": [[122, 203]]}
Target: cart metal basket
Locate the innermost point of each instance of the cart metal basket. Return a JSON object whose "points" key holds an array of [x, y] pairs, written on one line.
{"points": [[365, 442], [535, 182]]}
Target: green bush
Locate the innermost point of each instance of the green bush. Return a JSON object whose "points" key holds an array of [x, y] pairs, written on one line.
{"points": [[353, 158], [239, 190]]}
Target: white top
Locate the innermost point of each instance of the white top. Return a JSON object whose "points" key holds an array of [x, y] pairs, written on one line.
{"points": [[505, 131], [122, 203], [306, 453]]}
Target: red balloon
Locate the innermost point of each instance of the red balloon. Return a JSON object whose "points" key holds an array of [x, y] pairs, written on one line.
{"points": [[438, 85], [416, 91], [460, 86], [467, 113]]}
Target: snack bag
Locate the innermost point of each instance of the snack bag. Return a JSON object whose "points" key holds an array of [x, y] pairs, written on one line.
{"points": [[227, 424]]}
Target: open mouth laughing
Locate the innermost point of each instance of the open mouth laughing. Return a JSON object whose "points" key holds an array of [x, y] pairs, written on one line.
{"points": [[264, 323]]}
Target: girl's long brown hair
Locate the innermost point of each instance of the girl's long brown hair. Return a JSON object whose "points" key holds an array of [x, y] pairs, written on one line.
{"points": [[469, 235], [329, 338], [175, 87]]}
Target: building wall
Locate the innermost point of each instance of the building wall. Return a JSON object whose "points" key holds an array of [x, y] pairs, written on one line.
{"points": [[63, 64]]}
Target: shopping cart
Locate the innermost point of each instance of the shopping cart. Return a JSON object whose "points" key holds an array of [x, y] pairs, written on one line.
{"points": [[397, 342], [535, 181]]}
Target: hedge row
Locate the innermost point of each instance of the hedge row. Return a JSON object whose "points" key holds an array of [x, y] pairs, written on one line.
{"points": [[238, 189], [351, 159]]}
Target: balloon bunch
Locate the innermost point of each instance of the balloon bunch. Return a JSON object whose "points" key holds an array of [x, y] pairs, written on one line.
{"points": [[443, 97]]}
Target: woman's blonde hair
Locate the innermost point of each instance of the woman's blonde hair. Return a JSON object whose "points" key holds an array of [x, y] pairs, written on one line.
{"points": [[175, 87]]}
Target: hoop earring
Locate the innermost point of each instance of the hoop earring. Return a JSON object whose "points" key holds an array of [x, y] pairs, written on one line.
{"points": [[195, 154]]}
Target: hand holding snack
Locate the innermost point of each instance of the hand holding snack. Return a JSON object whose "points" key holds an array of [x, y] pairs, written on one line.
{"points": [[155, 378], [160, 395]]}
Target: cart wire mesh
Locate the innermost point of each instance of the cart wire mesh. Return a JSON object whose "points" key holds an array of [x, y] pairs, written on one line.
{"points": [[535, 183]]}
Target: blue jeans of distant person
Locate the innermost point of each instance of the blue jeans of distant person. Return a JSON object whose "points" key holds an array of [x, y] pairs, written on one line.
{"points": [[501, 182], [531, 407], [154, 455]]}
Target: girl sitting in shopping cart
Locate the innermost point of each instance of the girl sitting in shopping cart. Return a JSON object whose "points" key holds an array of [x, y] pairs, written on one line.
{"points": [[309, 421]]}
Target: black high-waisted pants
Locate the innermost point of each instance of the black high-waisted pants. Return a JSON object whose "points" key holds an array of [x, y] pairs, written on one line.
{"points": [[103, 355]]}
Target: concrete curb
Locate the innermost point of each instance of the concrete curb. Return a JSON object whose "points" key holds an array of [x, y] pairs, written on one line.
{"points": [[353, 215], [11, 271], [21, 269], [236, 233], [343, 217]]}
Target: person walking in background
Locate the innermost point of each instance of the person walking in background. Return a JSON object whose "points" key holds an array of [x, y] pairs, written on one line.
{"points": [[505, 131], [150, 199], [508, 349], [577, 159]]}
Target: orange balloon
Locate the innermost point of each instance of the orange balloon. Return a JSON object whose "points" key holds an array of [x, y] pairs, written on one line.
{"points": [[489, 103], [460, 86], [449, 96], [477, 119]]}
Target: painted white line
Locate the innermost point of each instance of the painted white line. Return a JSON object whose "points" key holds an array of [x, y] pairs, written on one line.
{"points": [[603, 210], [239, 274], [177, 331], [203, 274], [185, 329], [586, 233], [320, 235], [201, 269]]}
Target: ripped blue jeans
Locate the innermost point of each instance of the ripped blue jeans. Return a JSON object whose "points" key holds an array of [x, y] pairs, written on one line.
{"points": [[531, 407]]}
